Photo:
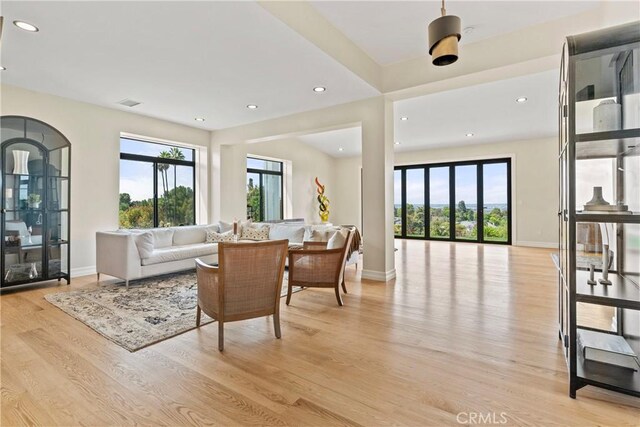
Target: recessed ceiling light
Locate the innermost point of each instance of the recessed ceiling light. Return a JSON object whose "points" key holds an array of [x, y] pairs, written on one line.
{"points": [[469, 134], [2, 68], [521, 99], [252, 106], [340, 149], [129, 102], [404, 119], [468, 30], [397, 143], [199, 119], [319, 89], [26, 26]]}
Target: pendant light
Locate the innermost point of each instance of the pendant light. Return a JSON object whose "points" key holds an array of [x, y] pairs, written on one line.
{"points": [[444, 34]]}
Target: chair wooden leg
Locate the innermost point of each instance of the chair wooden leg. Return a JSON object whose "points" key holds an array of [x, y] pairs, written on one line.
{"points": [[344, 286], [220, 335], [198, 316], [98, 277], [276, 324], [289, 290], [338, 297]]}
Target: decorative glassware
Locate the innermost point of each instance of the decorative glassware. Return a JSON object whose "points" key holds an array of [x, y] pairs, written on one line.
{"points": [[33, 271]]}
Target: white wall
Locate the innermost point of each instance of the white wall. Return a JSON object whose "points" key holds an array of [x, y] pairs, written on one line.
{"points": [[306, 164], [94, 133], [534, 183], [347, 173]]}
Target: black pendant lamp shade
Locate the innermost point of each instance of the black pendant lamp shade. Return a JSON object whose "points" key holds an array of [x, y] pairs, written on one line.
{"points": [[444, 34]]}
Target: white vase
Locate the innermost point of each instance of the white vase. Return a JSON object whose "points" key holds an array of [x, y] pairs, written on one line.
{"points": [[20, 162], [607, 116]]}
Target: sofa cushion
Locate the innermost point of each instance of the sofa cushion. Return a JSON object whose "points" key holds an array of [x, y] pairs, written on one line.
{"points": [[192, 234], [226, 226], [178, 253], [295, 234], [255, 233], [162, 237], [338, 240], [214, 237], [321, 235], [144, 243], [308, 229]]}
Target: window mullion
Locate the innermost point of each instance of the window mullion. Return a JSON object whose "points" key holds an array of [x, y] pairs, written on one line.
{"points": [[155, 194]]}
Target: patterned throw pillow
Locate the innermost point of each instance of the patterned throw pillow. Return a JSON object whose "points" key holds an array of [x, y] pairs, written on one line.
{"points": [[255, 233], [215, 237]]}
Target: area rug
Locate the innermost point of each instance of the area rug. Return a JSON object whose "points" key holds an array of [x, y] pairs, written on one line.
{"points": [[151, 310]]}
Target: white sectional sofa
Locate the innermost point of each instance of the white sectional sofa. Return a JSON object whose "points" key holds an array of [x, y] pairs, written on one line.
{"points": [[135, 254]]}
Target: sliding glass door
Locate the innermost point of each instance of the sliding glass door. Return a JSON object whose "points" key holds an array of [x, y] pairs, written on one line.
{"points": [[457, 201], [496, 207], [439, 200], [466, 207], [415, 208]]}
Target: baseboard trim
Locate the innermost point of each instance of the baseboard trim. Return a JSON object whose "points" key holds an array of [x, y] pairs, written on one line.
{"points": [[83, 271], [537, 244], [379, 276]]}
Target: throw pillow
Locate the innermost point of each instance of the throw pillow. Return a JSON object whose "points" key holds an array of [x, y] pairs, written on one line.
{"points": [[291, 233], [338, 240], [225, 226], [215, 237], [144, 243], [321, 235], [255, 233], [162, 237]]}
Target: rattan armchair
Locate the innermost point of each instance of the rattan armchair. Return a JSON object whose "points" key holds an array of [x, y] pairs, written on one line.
{"points": [[246, 284], [314, 266]]}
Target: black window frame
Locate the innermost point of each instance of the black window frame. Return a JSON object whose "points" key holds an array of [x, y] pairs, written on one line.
{"points": [[452, 212], [155, 161], [261, 173]]}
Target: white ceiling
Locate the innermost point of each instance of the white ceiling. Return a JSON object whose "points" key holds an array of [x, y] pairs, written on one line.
{"points": [[443, 119], [394, 31], [181, 60], [330, 142], [489, 111]]}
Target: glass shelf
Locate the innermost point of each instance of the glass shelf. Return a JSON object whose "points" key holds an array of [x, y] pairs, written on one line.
{"points": [[621, 293], [26, 175], [630, 218], [608, 144]]}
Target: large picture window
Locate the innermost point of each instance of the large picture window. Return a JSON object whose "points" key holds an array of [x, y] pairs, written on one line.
{"points": [[157, 185], [264, 190], [458, 201]]}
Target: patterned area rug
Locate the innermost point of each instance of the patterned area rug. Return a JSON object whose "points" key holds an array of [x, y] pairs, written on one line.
{"points": [[151, 310]]}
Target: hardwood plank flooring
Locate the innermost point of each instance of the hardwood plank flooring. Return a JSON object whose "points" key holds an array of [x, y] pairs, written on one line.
{"points": [[464, 329]]}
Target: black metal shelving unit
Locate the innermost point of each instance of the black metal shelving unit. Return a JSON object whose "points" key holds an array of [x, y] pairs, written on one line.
{"points": [[35, 193], [598, 66]]}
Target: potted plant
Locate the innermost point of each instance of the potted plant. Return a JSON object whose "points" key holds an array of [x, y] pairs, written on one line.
{"points": [[34, 200]]}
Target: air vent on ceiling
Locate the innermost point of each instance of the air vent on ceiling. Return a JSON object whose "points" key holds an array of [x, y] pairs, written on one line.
{"points": [[129, 102]]}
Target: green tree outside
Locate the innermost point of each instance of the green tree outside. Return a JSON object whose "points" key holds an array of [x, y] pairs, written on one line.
{"points": [[253, 201], [495, 222], [175, 205]]}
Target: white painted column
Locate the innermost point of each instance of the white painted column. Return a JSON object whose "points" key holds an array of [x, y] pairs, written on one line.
{"points": [[377, 192], [215, 178]]}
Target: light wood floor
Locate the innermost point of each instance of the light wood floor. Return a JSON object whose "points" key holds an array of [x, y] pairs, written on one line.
{"points": [[465, 329]]}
